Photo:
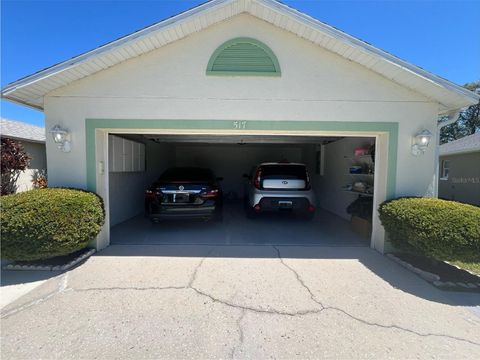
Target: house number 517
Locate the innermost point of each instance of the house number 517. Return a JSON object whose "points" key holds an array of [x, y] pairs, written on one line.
{"points": [[239, 125]]}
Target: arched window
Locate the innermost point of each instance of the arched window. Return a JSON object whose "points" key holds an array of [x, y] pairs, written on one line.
{"points": [[243, 57]]}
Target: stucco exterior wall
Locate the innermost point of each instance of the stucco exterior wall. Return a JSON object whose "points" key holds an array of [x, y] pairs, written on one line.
{"points": [[463, 183], [170, 83]]}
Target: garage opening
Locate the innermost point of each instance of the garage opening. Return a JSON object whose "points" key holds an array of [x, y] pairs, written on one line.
{"points": [[340, 170]]}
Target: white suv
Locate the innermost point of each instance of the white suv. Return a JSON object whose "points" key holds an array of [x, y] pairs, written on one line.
{"points": [[279, 186]]}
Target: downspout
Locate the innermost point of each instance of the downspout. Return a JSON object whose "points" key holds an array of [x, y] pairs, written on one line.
{"points": [[451, 117]]}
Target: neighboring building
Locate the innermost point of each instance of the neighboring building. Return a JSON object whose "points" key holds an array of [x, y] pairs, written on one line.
{"points": [[33, 140], [460, 170], [198, 86]]}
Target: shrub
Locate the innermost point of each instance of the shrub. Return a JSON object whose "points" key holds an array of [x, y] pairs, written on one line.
{"points": [[435, 227], [45, 223], [14, 160]]}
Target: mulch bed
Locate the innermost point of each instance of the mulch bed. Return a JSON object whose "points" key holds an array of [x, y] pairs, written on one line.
{"points": [[56, 263]]}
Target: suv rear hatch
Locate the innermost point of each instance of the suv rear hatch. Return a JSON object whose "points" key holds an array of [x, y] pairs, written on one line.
{"points": [[282, 177]]}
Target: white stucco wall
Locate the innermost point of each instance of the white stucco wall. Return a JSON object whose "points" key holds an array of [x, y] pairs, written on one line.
{"points": [[170, 83]]}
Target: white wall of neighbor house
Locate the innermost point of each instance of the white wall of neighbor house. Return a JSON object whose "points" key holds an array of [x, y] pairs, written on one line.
{"points": [[38, 165]]}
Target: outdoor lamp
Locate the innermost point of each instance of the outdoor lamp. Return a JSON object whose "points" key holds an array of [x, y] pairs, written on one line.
{"points": [[420, 142], [61, 137]]}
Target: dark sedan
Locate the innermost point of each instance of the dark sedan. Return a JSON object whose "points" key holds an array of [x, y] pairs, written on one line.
{"points": [[185, 192]]}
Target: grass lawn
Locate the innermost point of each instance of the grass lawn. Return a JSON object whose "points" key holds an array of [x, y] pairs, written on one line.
{"points": [[468, 261]]}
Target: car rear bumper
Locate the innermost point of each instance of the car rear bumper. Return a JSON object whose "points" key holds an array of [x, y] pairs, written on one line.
{"points": [[297, 204], [184, 212]]}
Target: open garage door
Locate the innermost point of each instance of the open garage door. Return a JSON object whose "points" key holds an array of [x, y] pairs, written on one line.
{"points": [[341, 171]]}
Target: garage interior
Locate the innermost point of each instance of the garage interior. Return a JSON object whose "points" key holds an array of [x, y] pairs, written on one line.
{"points": [[341, 172]]}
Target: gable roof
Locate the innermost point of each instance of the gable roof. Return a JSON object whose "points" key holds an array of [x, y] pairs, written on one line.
{"points": [[31, 90], [467, 144], [21, 131]]}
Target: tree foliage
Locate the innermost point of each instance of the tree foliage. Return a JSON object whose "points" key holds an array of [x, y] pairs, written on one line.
{"points": [[14, 160], [468, 121]]}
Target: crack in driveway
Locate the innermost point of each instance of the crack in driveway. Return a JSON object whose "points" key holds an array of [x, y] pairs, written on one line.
{"points": [[363, 321], [63, 287], [297, 276], [241, 337]]}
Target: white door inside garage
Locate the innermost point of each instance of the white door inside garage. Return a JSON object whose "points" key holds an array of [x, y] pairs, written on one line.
{"points": [[341, 168]]}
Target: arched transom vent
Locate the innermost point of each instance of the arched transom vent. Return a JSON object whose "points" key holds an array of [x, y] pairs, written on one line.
{"points": [[243, 57]]}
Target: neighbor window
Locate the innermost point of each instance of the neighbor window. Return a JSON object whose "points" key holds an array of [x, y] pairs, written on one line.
{"points": [[445, 169]]}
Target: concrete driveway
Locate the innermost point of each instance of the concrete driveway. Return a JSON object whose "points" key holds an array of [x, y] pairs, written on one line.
{"points": [[201, 302]]}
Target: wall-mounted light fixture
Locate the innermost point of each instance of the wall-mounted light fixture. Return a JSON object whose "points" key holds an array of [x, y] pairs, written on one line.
{"points": [[420, 142], [61, 137]]}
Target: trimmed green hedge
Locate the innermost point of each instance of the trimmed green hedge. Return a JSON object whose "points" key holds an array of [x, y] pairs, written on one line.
{"points": [[435, 227], [45, 223]]}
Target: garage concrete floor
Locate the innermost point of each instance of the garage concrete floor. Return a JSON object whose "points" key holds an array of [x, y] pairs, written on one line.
{"points": [[326, 229], [210, 302]]}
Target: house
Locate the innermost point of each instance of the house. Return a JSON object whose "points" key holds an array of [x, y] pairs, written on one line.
{"points": [[33, 140], [230, 83], [459, 177]]}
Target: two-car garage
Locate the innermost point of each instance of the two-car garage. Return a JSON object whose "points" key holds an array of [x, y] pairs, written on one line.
{"points": [[341, 171]]}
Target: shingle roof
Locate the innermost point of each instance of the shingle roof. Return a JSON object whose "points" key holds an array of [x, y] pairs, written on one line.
{"points": [[31, 90], [22, 131], [466, 144]]}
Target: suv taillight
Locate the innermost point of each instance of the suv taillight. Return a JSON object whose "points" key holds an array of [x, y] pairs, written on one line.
{"points": [[257, 178]]}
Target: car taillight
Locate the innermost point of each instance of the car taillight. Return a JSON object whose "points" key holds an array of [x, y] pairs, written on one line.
{"points": [[311, 208], [210, 194], [257, 178]]}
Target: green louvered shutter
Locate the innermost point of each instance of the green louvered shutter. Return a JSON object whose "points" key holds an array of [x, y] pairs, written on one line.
{"points": [[243, 56]]}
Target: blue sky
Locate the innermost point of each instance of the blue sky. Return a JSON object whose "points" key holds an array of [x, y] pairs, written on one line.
{"points": [[440, 36]]}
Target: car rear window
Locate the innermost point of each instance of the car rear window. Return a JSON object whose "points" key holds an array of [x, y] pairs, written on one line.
{"points": [[284, 172], [186, 174]]}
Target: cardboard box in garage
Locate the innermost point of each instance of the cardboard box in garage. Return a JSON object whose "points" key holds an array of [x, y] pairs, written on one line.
{"points": [[361, 227]]}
